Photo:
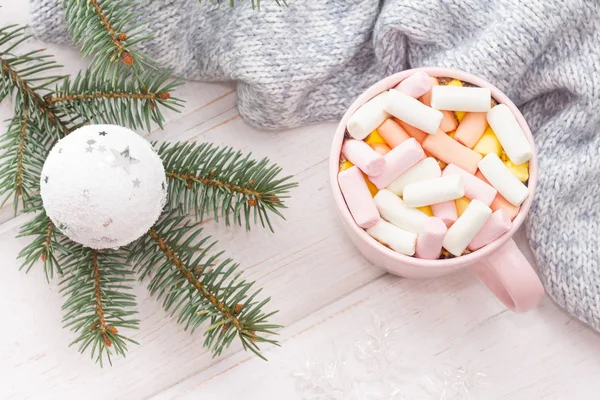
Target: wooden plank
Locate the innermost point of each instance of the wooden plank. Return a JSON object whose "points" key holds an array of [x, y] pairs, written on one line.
{"points": [[417, 337]]}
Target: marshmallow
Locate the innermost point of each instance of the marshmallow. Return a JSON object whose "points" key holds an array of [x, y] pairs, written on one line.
{"points": [[415, 85], [500, 203], [374, 138], [449, 122], [471, 129], [433, 191], [510, 134], [521, 171], [474, 188], [462, 204], [465, 228], [363, 156], [392, 133], [412, 131], [398, 161], [455, 98], [500, 177], [423, 170], [430, 239], [459, 114], [450, 151], [382, 149], [488, 144], [368, 117], [393, 209], [445, 211], [496, 225], [413, 112], [396, 238], [358, 198]]}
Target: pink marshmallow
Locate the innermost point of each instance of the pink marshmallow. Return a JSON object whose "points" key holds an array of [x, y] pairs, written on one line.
{"points": [[475, 188], [496, 225], [431, 237], [363, 156], [415, 85], [398, 161], [358, 198], [445, 211]]}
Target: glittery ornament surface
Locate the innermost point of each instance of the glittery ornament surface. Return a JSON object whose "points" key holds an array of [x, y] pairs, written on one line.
{"points": [[103, 186]]}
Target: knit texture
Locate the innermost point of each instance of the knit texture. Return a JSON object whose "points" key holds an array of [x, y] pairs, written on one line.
{"points": [[308, 62]]}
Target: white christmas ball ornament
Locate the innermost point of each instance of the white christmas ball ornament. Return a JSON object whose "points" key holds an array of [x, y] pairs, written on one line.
{"points": [[103, 186]]}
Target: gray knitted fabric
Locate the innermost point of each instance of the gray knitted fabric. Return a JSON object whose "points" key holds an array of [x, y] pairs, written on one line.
{"points": [[308, 62]]}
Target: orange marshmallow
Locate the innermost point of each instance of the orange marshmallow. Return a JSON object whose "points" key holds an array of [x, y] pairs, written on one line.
{"points": [[449, 122], [471, 128], [450, 151], [412, 131], [392, 133], [382, 149], [500, 202]]}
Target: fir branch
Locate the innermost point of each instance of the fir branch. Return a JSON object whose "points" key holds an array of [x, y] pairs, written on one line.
{"points": [[105, 30], [23, 150], [24, 77], [124, 101], [192, 281], [217, 182], [45, 245], [99, 303]]}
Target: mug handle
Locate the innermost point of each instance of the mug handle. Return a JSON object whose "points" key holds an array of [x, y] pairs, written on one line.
{"points": [[509, 276]]}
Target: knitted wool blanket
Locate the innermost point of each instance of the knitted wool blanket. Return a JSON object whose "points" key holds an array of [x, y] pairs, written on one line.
{"points": [[306, 63]]}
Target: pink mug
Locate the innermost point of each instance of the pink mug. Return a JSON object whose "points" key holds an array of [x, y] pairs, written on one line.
{"points": [[500, 265]]}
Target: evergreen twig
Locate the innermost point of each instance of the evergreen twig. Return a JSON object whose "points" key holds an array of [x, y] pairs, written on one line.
{"points": [[98, 303], [45, 245], [188, 275], [107, 31], [97, 100], [215, 182]]}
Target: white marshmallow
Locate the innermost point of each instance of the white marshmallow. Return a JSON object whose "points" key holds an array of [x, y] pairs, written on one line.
{"points": [[429, 168], [510, 134], [456, 98], [413, 112], [368, 117], [433, 191], [500, 177], [398, 239], [393, 209], [465, 228]]}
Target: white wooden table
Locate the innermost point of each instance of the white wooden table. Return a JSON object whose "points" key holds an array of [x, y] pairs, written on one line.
{"points": [[351, 331]]}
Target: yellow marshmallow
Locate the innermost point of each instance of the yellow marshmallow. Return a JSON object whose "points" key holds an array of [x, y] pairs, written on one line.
{"points": [[374, 138], [455, 82], [344, 165], [372, 188], [451, 134], [521, 171], [461, 205], [488, 143], [427, 210], [442, 164]]}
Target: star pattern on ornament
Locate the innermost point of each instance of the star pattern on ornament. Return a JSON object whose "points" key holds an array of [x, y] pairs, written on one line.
{"points": [[89, 149], [103, 133], [91, 142], [101, 149], [46, 179], [60, 151], [163, 185], [123, 159], [136, 183]]}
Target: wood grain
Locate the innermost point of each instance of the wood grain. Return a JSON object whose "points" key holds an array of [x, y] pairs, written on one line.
{"points": [[329, 299]]}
